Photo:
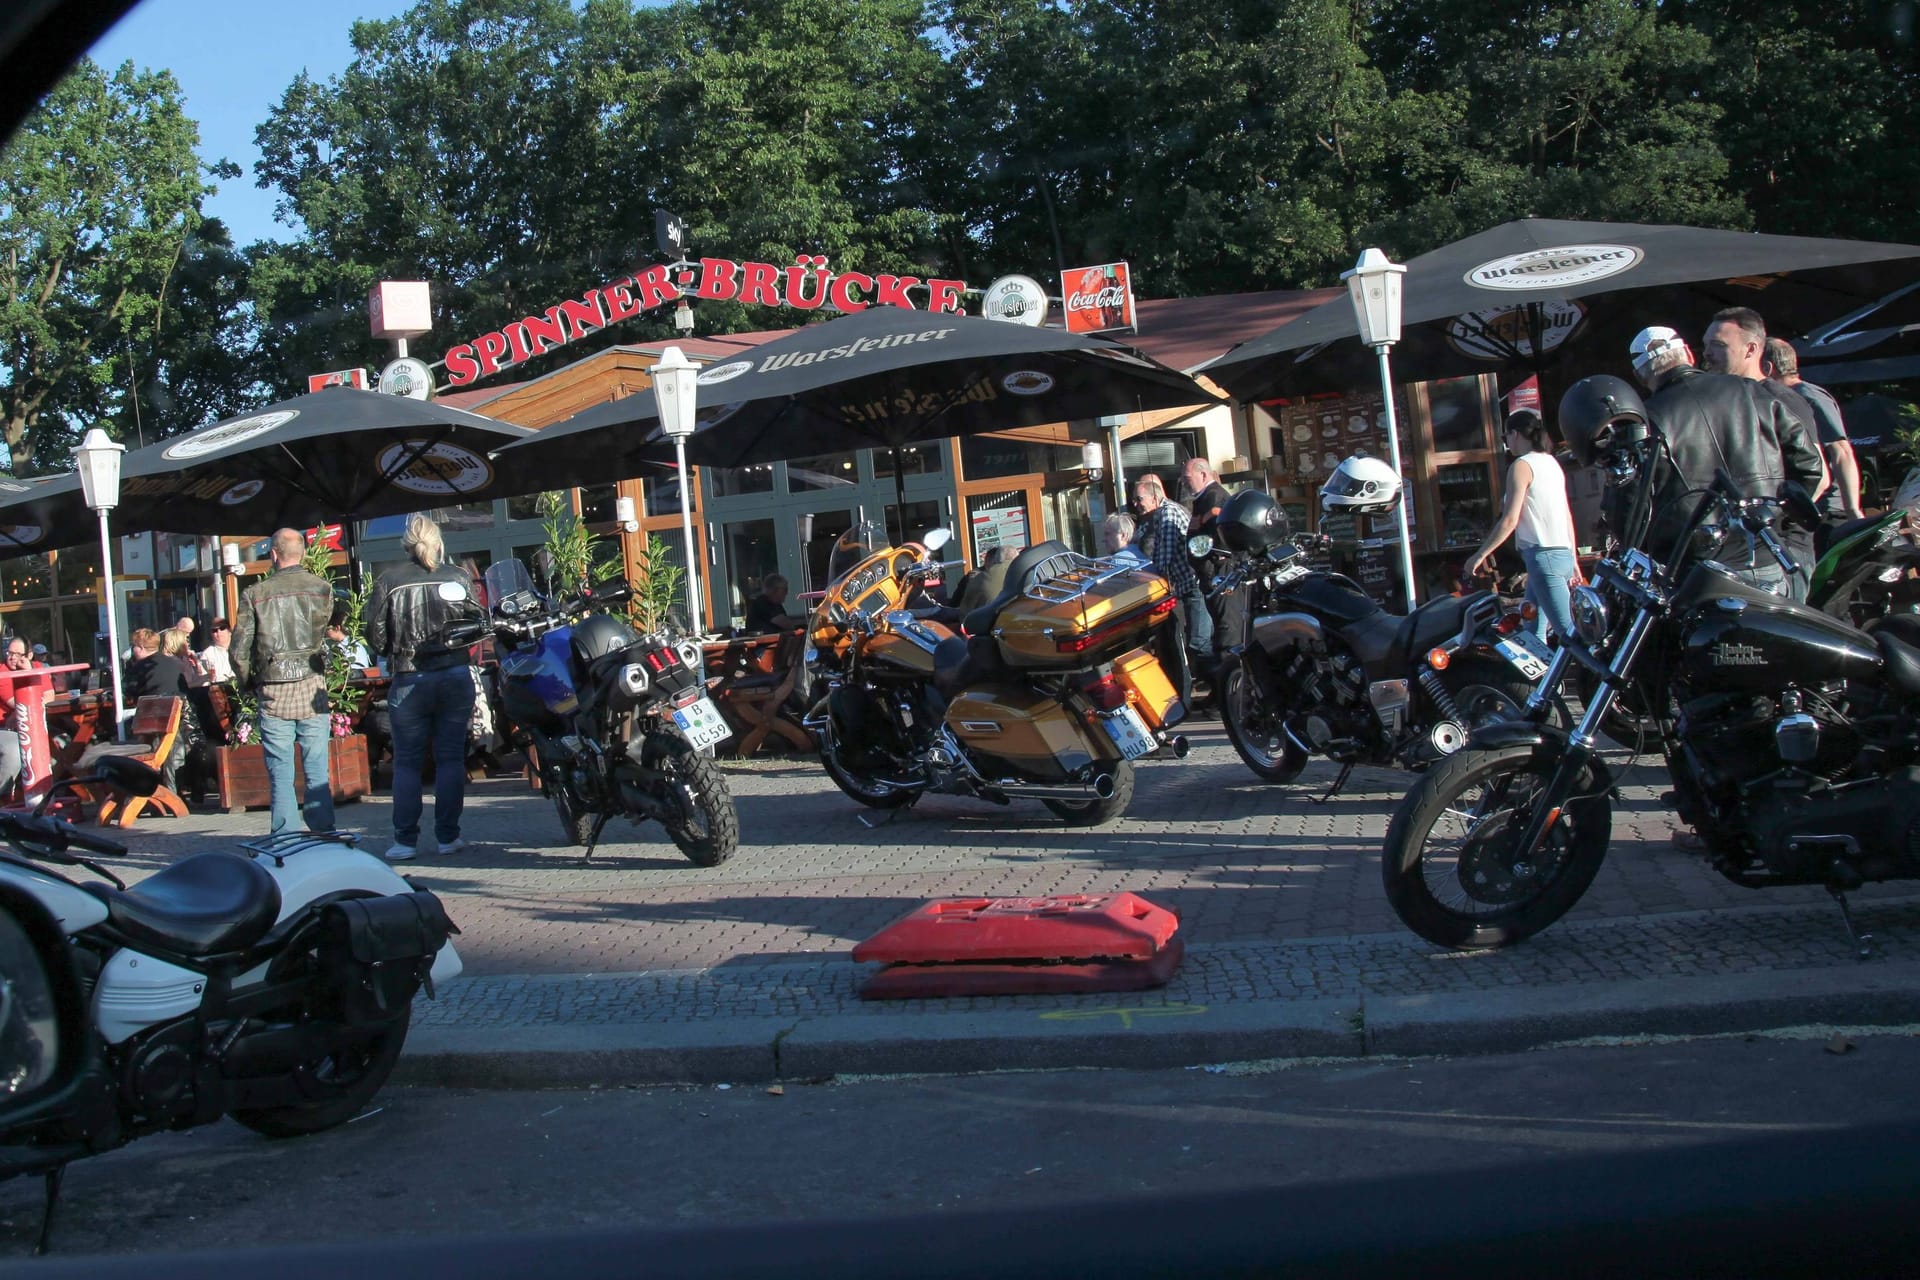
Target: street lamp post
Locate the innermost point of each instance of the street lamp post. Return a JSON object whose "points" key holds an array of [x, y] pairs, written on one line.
{"points": [[98, 460], [1374, 285], [674, 395]]}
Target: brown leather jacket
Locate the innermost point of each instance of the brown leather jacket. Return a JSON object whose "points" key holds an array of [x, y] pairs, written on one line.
{"points": [[282, 628]]}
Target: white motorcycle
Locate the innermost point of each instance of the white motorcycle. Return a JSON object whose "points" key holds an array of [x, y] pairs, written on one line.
{"points": [[274, 986]]}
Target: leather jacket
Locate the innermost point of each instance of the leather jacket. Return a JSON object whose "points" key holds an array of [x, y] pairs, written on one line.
{"points": [[1716, 421], [282, 628], [408, 616]]}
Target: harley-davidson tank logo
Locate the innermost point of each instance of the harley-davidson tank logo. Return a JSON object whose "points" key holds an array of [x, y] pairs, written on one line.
{"points": [[1738, 655]]}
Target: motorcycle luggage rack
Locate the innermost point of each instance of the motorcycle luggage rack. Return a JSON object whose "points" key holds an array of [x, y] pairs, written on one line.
{"points": [[1068, 575], [288, 843]]}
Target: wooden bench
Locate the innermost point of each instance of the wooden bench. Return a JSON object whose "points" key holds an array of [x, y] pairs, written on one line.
{"points": [[756, 705], [156, 726]]}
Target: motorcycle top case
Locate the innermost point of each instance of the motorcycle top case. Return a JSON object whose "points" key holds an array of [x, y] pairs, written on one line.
{"points": [[1085, 611]]}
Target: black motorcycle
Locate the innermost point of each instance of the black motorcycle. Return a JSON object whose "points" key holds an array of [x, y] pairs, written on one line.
{"points": [[1790, 736], [616, 719], [1324, 669]]}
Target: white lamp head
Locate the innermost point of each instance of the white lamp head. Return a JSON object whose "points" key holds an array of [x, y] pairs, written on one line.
{"points": [[674, 392], [230, 558], [1374, 285], [625, 512], [98, 461]]}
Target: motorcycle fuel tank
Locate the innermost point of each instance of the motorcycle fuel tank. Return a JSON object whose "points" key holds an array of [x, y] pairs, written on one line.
{"points": [[537, 683], [1740, 645]]}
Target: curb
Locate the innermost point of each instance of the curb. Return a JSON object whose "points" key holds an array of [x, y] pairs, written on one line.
{"points": [[1152, 1036]]}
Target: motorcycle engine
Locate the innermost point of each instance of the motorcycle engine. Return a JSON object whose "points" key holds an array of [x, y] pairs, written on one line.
{"points": [[1332, 701], [1738, 740]]}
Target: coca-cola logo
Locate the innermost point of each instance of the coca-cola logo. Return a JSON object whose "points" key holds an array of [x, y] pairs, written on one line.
{"points": [[1113, 296]]}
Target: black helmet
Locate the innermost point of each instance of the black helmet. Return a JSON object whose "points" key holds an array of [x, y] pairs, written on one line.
{"points": [[1601, 414], [597, 635], [1251, 521]]}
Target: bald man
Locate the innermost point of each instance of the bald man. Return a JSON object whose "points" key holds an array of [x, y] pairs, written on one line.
{"points": [[279, 643]]}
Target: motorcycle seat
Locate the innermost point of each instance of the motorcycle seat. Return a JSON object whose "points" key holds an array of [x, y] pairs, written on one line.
{"points": [[1433, 623], [949, 661], [1903, 662], [1901, 626], [203, 904], [1830, 533], [1024, 565]]}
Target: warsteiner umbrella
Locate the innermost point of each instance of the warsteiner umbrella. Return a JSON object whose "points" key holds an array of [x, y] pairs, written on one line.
{"points": [[880, 378]]}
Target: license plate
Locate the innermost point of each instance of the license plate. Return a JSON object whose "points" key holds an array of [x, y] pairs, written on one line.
{"points": [[1527, 652], [1129, 732], [702, 723]]}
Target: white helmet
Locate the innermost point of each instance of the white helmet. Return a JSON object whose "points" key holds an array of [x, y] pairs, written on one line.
{"points": [[1360, 486]]}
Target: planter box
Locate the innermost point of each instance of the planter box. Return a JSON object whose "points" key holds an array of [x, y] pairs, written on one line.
{"points": [[243, 773]]}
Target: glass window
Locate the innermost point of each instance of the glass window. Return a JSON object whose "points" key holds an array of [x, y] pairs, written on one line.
{"points": [[921, 516], [464, 518], [990, 457], [731, 482], [1466, 503], [77, 570], [26, 577], [926, 458], [823, 471], [662, 494], [1458, 419], [598, 504], [752, 554], [818, 531], [527, 506], [79, 624]]}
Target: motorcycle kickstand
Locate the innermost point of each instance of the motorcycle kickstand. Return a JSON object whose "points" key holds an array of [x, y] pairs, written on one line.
{"points": [[55, 1177], [1863, 942], [600, 821], [1339, 785]]}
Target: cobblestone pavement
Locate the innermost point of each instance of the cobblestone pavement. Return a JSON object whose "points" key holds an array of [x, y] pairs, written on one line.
{"points": [[1274, 892]]}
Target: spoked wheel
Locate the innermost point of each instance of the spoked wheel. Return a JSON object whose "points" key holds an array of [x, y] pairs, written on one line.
{"points": [[1256, 726], [705, 825], [1453, 868], [1094, 812]]}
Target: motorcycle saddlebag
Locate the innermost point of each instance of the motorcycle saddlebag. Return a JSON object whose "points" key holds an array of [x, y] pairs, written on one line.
{"points": [[379, 951]]}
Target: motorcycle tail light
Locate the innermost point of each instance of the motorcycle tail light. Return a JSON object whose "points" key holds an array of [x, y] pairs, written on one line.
{"points": [[661, 660], [1438, 659], [1092, 639], [1529, 611], [1106, 692], [1508, 624]]}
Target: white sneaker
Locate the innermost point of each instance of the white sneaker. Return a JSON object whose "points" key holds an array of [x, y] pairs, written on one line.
{"points": [[457, 845], [398, 852]]}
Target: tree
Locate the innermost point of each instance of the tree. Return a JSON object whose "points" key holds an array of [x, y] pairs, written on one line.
{"points": [[100, 196]]}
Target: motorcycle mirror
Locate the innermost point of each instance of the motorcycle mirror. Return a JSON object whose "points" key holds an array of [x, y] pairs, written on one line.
{"points": [[43, 1014], [1200, 544], [129, 775], [1799, 504], [936, 539], [614, 590]]}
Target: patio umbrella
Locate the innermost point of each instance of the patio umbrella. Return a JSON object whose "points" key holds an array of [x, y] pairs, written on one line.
{"points": [[880, 378], [1563, 299]]}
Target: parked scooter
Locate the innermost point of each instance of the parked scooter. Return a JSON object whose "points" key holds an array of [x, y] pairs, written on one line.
{"points": [[1326, 670], [617, 719], [275, 987]]}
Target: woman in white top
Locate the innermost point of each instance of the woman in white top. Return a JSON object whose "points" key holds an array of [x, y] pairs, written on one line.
{"points": [[1539, 520]]}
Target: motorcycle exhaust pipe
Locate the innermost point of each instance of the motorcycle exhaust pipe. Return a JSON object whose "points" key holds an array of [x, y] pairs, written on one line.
{"points": [[1179, 745], [273, 1050], [1101, 788]]}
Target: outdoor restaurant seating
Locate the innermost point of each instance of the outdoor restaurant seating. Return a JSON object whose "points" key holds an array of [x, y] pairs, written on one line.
{"points": [[155, 728]]}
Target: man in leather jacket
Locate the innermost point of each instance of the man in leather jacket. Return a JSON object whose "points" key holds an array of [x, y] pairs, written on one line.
{"points": [[1715, 421], [278, 639], [431, 697]]}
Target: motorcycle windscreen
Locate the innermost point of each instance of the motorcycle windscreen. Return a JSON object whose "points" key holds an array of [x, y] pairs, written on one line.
{"points": [[853, 547], [504, 577]]}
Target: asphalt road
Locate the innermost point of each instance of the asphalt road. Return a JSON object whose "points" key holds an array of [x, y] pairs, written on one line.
{"points": [[432, 1161]]}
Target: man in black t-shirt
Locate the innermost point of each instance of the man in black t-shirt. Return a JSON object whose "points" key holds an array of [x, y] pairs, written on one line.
{"points": [[767, 611], [1782, 366], [1209, 495]]}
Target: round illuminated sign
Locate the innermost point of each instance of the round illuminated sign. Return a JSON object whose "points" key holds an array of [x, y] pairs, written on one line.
{"points": [[1016, 300], [407, 377]]}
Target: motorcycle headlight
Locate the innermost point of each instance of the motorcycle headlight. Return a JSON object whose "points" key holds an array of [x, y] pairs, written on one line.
{"points": [[1589, 610], [634, 680], [1199, 546], [689, 653]]}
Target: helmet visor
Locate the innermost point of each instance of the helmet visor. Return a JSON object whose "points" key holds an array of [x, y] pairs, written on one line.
{"points": [[1345, 484]]}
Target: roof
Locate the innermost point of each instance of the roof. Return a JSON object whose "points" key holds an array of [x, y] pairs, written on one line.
{"points": [[1184, 332]]}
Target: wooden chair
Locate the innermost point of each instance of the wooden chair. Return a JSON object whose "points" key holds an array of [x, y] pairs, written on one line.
{"points": [[757, 705], [156, 726]]}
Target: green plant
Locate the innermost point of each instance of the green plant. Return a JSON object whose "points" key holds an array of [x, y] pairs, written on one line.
{"points": [[343, 696], [579, 555], [661, 589]]}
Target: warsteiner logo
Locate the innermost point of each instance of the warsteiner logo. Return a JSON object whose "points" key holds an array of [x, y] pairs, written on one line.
{"points": [[442, 471], [226, 435], [1552, 268], [1738, 655]]}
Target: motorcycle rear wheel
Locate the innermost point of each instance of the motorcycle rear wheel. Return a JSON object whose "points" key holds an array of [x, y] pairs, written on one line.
{"points": [[345, 1082], [709, 829], [1095, 812], [1448, 866], [1255, 727]]}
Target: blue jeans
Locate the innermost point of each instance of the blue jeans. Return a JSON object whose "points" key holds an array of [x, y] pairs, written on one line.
{"points": [[430, 706], [277, 740], [1550, 571], [1199, 629]]}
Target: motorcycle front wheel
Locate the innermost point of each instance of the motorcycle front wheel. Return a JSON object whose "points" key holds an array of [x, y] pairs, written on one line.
{"points": [[707, 826], [1255, 726], [1451, 865]]}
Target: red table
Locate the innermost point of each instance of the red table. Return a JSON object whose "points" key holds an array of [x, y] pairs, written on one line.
{"points": [[29, 691]]}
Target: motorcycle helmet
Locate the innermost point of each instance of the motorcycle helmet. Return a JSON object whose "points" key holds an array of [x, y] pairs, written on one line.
{"points": [[1360, 486], [1601, 415], [597, 635], [1251, 521]]}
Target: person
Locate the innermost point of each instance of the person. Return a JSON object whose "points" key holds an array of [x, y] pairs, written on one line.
{"points": [[1162, 537], [1782, 367], [337, 642], [985, 586], [1209, 495], [1539, 520], [277, 642], [13, 728], [1116, 540], [215, 659], [431, 697], [163, 672], [1715, 421], [767, 611]]}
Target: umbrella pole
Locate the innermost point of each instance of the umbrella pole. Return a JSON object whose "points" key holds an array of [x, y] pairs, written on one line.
{"points": [[353, 555], [899, 497]]}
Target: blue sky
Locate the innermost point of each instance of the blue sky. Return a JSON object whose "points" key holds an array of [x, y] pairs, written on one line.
{"points": [[234, 59]]}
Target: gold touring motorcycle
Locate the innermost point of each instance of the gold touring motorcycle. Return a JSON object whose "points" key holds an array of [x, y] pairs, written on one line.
{"points": [[1051, 693]]}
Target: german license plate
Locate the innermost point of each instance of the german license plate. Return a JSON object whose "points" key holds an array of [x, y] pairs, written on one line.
{"points": [[1527, 652], [1129, 732], [702, 723]]}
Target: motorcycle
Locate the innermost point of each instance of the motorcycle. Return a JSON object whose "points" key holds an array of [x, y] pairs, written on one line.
{"points": [[1052, 693], [1325, 669], [616, 719], [274, 986], [1789, 735]]}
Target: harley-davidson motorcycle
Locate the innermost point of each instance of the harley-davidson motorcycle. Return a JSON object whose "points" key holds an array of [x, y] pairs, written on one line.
{"points": [[617, 719], [1324, 669], [1791, 737], [1053, 691], [274, 986]]}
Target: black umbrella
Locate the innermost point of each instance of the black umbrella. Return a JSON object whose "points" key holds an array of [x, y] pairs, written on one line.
{"points": [[880, 378], [1565, 298], [338, 454]]}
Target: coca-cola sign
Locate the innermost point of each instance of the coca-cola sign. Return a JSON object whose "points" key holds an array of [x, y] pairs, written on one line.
{"points": [[807, 285], [1098, 299]]}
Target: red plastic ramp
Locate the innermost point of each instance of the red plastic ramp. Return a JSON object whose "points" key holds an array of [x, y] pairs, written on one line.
{"points": [[938, 981], [1066, 927]]}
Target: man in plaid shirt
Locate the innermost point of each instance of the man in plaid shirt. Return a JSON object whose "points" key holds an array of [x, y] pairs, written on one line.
{"points": [[1162, 537], [278, 640]]}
